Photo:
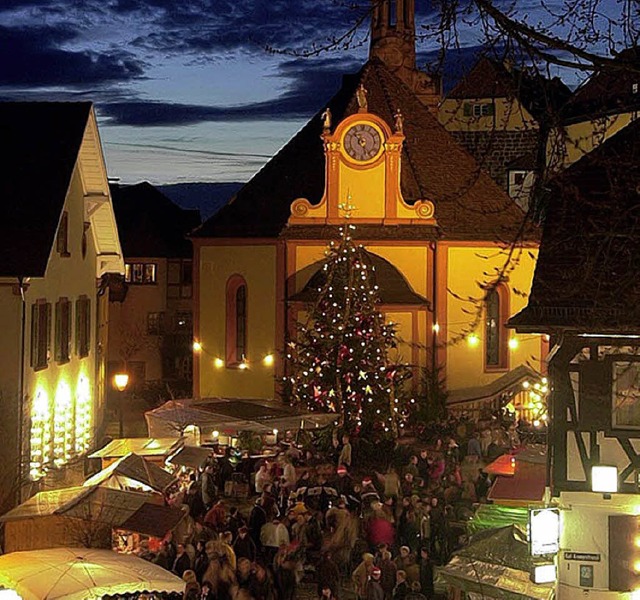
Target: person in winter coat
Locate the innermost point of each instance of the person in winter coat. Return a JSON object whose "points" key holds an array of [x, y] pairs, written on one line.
{"points": [[388, 571], [374, 589], [402, 588], [360, 575], [328, 575], [182, 561], [426, 574], [244, 546], [192, 587]]}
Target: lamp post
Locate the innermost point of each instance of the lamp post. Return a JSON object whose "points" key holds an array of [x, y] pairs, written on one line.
{"points": [[120, 382]]}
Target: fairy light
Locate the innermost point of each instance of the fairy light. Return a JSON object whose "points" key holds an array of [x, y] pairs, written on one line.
{"points": [[63, 423], [218, 363], [40, 434], [473, 340], [83, 424]]}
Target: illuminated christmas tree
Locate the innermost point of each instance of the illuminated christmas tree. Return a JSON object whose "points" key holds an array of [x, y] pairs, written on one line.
{"points": [[340, 359]]}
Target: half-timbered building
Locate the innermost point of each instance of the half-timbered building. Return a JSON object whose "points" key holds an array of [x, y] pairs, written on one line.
{"points": [[585, 295]]}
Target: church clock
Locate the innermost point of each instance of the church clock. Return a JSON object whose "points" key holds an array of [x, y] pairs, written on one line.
{"points": [[363, 142]]}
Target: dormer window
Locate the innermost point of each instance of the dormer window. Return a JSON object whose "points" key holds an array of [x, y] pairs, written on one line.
{"points": [[62, 238], [479, 109]]}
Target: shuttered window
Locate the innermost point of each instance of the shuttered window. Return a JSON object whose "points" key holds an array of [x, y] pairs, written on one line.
{"points": [[40, 334]]}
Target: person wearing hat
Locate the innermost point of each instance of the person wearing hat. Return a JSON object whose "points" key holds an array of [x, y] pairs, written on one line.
{"points": [[402, 588], [374, 589], [343, 482]]}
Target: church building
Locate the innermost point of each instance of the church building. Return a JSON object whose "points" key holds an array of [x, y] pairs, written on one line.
{"points": [[453, 257]]}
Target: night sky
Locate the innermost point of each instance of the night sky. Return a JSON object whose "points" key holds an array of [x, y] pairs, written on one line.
{"points": [[187, 90]]}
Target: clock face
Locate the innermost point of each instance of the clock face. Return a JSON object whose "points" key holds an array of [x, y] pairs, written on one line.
{"points": [[362, 142]]}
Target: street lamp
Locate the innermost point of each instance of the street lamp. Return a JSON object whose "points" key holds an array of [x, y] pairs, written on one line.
{"points": [[120, 382]]}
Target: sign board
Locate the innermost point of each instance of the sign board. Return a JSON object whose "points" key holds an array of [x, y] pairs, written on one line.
{"points": [[586, 576], [544, 531], [582, 556]]}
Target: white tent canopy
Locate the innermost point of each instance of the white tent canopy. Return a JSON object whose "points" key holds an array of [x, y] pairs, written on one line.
{"points": [[231, 416], [82, 574]]}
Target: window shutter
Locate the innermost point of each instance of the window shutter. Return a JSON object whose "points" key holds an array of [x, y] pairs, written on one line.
{"points": [[490, 109], [35, 321], [467, 109]]}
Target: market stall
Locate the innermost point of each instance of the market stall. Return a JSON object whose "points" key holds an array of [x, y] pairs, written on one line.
{"points": [[81, 573], [90, 516], [495, 564], [227, 417], [154, 449], [133, 472]]}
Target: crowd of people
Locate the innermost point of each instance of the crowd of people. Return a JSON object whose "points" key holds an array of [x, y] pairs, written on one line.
{"points": [[328, 520]]}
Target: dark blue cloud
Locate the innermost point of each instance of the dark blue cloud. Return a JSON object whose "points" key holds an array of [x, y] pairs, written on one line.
{"points": [[223, 25], [312, 83], [36, 59]]}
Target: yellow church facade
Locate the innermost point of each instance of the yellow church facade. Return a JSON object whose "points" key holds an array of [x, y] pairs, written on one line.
{"points": [[452, 258], [444, 242]]}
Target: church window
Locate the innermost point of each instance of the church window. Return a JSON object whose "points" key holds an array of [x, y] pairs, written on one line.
{"points": [[236, 318], [496, 334]]}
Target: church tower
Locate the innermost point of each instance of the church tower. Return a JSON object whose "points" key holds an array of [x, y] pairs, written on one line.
{"points": [[393, 41]]}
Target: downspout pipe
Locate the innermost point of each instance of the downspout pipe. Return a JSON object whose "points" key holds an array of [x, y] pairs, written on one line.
{"points": [[21, 390]]}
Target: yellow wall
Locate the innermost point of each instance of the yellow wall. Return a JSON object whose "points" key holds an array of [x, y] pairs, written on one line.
{"points": [[467, 268], [365, 188], [570, 144], [509, 115], [257, 264], [69, 277]]}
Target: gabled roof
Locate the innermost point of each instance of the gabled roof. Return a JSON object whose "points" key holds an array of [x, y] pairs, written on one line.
{"points": [[117, 508], [490, 78], [139, 446], [150, 224], [136, 468], [587, 276], [607, 91], [468, 203], [42, 141]]}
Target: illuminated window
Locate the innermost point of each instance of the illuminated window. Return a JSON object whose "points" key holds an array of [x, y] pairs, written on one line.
{"points": [[236, 320], [496, 337], [83, 326], [62, 237], [40, 334], [141, 273], [63, 331]]}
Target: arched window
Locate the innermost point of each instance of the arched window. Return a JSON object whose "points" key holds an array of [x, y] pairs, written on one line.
{"points": [[496, 338], [236, 318]]}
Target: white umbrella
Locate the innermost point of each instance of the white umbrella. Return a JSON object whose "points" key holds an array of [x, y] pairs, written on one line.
{"points": [[82, 574]]}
